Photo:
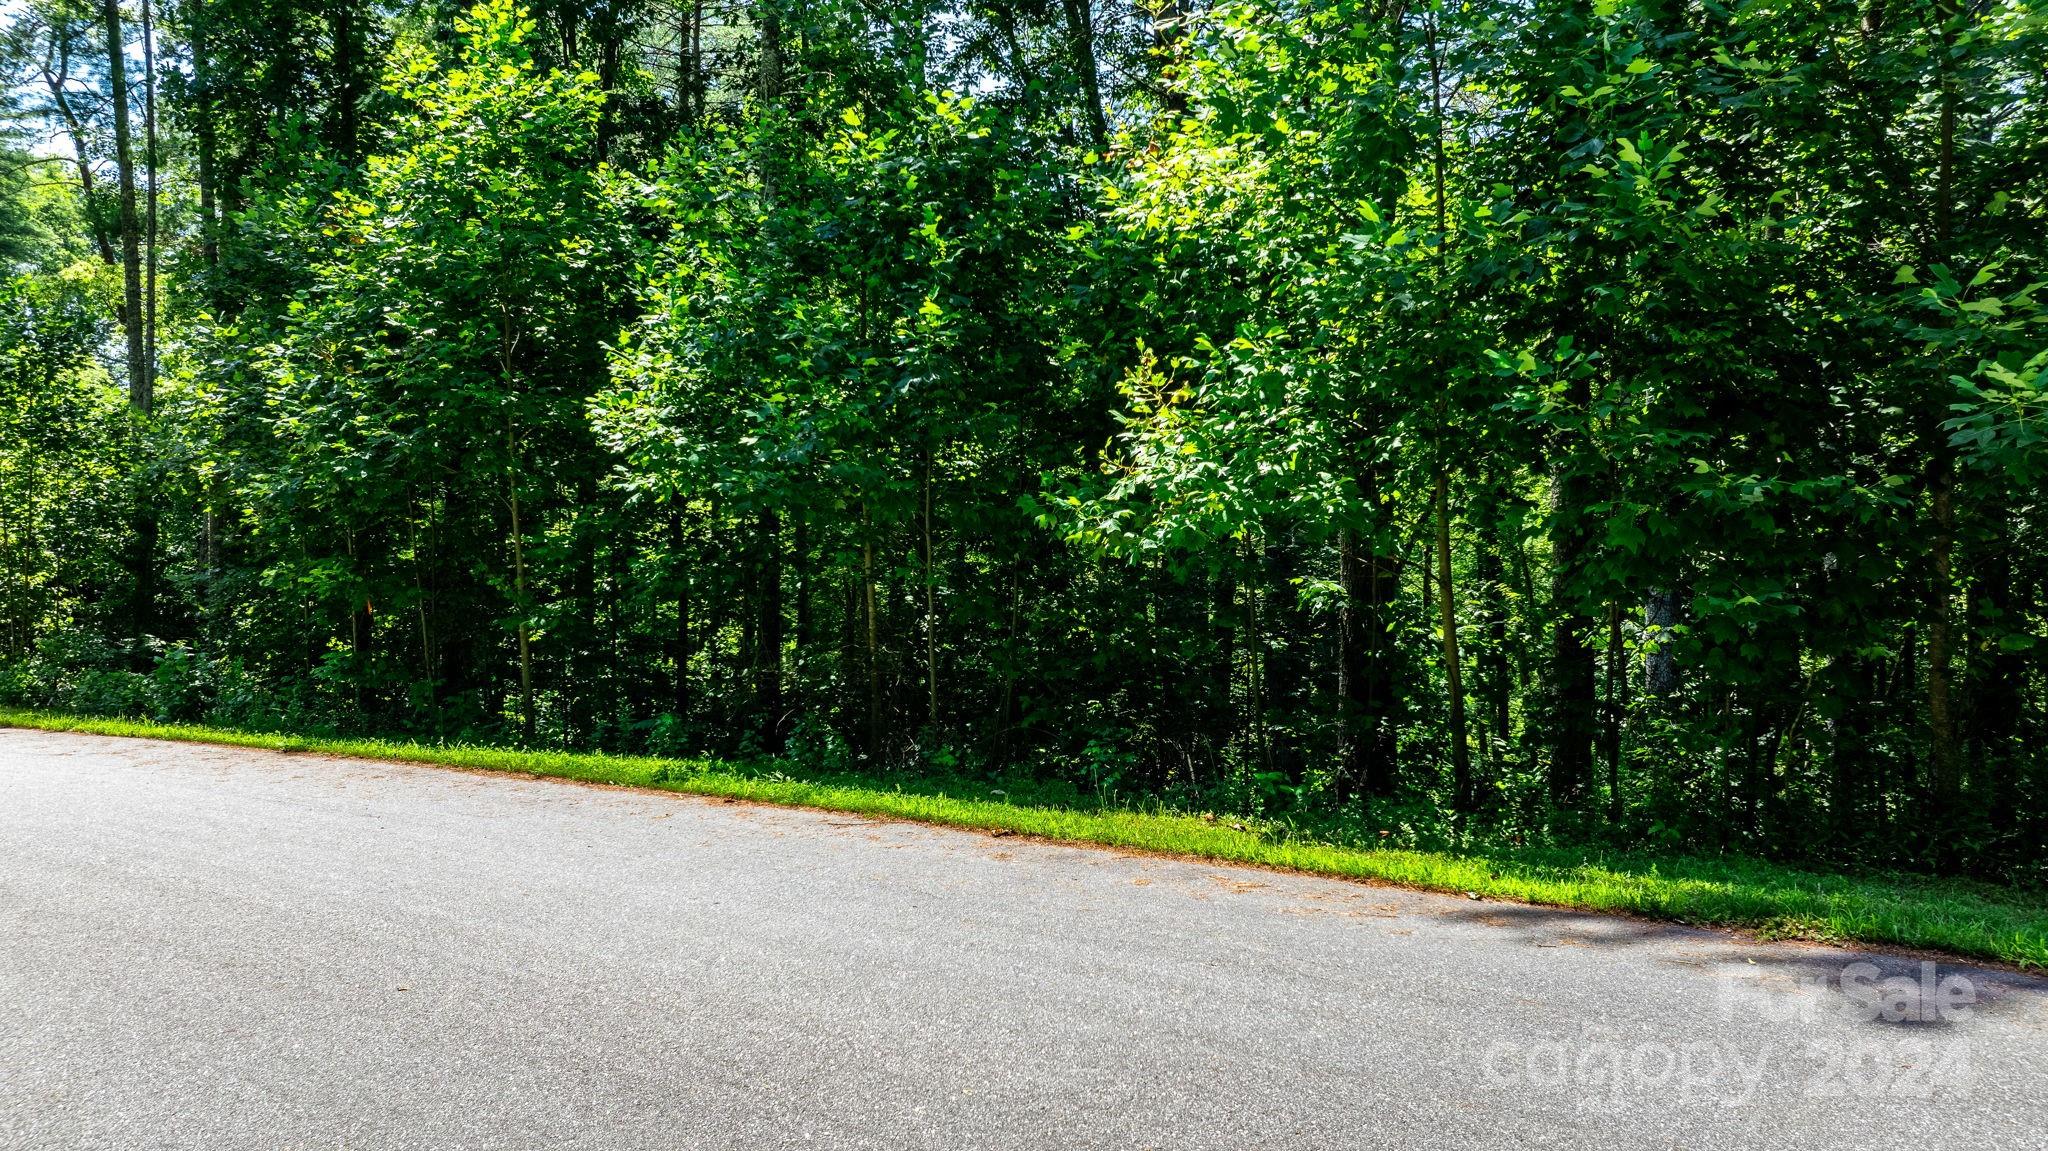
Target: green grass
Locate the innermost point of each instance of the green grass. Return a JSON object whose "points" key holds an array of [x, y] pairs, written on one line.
{"points": [[1776, 902]]}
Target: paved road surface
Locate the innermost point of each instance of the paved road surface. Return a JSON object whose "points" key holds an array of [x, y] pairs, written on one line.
{"points": [[213, 948]]}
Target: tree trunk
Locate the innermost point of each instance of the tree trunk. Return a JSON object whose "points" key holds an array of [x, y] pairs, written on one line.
{"points": [[421, 595], [1461, 754], [1081, 36], [141, 393], [769, 14], [1223, 624], [1007, 698], [1997, 671], [579, 632], [872, 660], [768, 629], [679, 641], [609, 31], [1364, 665], [768, 632], [931, 614], [1617, 700], [1660, 616], [1943, 747], [1572, 667], [1447, 596], [348, 65], [690, 65], [57, 77], [149, 161], [801, 555], [519, 587], [205, 137], [1496, 677], [140, 396], [1851, 753], [360, 624]]}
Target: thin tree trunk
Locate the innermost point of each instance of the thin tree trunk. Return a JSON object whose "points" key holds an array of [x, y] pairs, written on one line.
{"points": [[348, 51], [1572, 672], [204, 134], [1255, 688], [359, 624], [1007, 705], [768, 632], [57, 77], [931, 614], [1495, 674], [1660, 616], [801, 555], [679, 657], [1617, 686], [146, 526], [1946, 754], [1571, 686], [149, 160], [872, 636], [609, 49], [696, 85], [1461, 754], [1223, 625], [1998, 673], [1851, 751], [1364, 682], [1447, 597], [587, 672], [1081, 36], [419, 585], [769, 14], [519, 586], [141, 395]]}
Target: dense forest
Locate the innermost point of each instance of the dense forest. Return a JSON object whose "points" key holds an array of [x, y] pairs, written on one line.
{"points": [[1535, 421]]}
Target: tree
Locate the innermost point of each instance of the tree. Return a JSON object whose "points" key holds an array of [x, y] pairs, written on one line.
{"points": [[443, 351]]}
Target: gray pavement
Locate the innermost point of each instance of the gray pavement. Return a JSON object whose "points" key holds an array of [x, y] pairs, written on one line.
{"points": [[212, 948]]}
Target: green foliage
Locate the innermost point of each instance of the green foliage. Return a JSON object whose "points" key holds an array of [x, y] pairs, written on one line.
{"points": [[1480, 425], [62, 431]]}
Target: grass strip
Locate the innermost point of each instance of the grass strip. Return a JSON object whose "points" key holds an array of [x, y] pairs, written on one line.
{"points": [[1955, 916]]}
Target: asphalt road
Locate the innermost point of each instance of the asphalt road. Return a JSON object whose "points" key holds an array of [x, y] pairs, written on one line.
{"points": [[212, 948]]}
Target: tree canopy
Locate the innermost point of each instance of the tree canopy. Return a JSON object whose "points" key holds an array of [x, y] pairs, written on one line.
{"points": [[1517, 420]]}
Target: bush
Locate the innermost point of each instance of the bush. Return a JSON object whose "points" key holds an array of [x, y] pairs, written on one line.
{"points": [[104, 691], [239, 698], [179, 685], [816, 744], [19, 685]]}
